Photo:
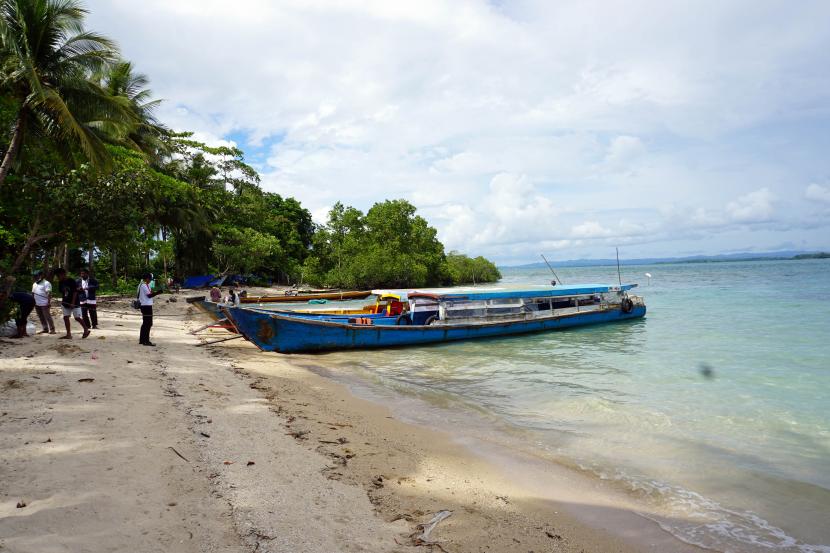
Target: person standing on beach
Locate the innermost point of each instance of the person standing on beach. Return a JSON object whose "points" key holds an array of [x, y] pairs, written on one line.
{"points": [[42, 291], [26, 303], [68, 288], [145, 298], [89, 305]]}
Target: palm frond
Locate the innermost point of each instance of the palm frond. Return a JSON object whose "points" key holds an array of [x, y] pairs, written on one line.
{"points": [[84, 49]]}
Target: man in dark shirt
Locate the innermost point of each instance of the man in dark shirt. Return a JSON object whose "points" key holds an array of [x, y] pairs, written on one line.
{"points": [[89, 301], [70, 302], [26, 303]]}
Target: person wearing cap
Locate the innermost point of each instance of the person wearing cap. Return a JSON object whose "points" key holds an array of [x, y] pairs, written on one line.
{"points": [[70, 293], [145, 298], [89, 304], [42, 291]]}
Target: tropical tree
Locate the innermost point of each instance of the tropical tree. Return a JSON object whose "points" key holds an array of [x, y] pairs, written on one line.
{"points": [[463, 269], [388, 246], [142, 131], [46, 58]]}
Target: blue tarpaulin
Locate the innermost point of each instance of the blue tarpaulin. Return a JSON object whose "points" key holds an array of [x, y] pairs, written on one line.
{"points": [[197, 281]]}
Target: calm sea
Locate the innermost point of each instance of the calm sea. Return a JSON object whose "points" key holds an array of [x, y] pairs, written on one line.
{"points": [[714, 409]]}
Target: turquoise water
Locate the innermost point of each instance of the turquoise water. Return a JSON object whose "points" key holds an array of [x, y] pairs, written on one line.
{"points": [[735, 461]]}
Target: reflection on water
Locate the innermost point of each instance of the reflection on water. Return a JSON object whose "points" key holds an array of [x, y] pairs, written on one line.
{"points": [[714, 407]]}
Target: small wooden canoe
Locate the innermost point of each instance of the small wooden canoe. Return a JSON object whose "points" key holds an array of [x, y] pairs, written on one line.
{"points": [[344, 295]]}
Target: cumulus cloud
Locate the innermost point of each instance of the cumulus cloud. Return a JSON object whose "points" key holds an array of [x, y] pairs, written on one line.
{"points": [[624, 148], [754, 207], [511, 125], [512, 211], [818, 193], [589, 229]]}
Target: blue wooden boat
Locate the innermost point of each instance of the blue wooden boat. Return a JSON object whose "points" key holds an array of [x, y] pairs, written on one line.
{"points": [[211, 309], [443, 317]]}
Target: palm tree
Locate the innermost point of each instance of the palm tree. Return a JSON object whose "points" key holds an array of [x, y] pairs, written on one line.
{"points": [[47, 59], [143, 132]]}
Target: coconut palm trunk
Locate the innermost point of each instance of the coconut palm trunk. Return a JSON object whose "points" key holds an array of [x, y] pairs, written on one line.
{"points": [[14, 147]]}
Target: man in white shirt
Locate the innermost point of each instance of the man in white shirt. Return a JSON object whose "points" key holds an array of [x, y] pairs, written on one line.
{"points": [[145, 298], [42, 291]]}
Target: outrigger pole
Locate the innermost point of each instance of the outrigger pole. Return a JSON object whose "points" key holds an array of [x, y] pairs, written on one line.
{"points": [[619, 276], [555, 276]]}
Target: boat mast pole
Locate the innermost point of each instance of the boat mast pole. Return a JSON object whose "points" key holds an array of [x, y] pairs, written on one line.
{"points": [[551, 270], [619, 276]]}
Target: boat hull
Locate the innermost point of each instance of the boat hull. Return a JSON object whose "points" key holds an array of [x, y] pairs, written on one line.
{"points": [[208, 307], [288, 334]]}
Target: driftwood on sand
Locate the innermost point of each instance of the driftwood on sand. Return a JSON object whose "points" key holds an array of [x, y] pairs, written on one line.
{"points": [[421, 536]]}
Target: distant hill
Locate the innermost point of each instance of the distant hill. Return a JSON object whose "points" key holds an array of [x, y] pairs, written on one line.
{"points": [[744, 256]]}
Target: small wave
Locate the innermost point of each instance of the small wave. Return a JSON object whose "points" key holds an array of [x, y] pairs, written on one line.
{"points": [[703, 522]]}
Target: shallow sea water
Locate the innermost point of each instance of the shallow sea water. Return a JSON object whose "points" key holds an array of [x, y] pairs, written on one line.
{"points": [[735, 461]]}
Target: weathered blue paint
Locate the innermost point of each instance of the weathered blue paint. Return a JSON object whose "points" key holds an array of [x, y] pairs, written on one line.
{"points": [[209, 307], [289, 333]]}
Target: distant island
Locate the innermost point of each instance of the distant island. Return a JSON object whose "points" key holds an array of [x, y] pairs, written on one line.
{"points": [[744, 256]]}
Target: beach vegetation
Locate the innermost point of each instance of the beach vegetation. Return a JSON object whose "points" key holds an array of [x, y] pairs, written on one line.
{"points": [[90, 177], [464, 270], [389, 246], [47, 58]]}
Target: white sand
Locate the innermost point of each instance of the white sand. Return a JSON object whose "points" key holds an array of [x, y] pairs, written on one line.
{"points": [[277, 458], [94, 463]]}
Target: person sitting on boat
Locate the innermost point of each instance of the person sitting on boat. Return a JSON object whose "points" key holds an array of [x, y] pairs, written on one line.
{"points": [[215, 294], [233, 296]]}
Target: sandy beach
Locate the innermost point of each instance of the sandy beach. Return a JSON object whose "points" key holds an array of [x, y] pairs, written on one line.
{"points": [[109, 446]]}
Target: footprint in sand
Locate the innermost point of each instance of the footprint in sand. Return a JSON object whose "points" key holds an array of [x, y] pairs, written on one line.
{"points": [[65, 349]]}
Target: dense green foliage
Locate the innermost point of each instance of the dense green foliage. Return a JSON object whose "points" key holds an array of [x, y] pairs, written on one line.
{"points": [[89, 176], [389, 246], [464, 269]]}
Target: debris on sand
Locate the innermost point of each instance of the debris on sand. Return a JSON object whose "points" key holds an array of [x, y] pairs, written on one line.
{"points": [[421, 536], [67, 349], [12, 384]]}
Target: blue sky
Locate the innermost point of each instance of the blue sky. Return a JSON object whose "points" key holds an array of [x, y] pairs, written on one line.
{"points": [[516, 128]]}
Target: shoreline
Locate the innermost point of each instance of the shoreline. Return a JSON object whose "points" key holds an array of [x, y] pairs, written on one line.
{"points": [[225, 448], [538, 490]]}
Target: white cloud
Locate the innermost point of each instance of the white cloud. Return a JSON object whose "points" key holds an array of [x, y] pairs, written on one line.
{"points": [[818, 193], [754, 207], [589, 229], [510, 127], [512, 211], [624, 148]]}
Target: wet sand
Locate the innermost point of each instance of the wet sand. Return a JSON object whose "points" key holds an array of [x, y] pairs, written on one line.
{"points": [[224, 448]]}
